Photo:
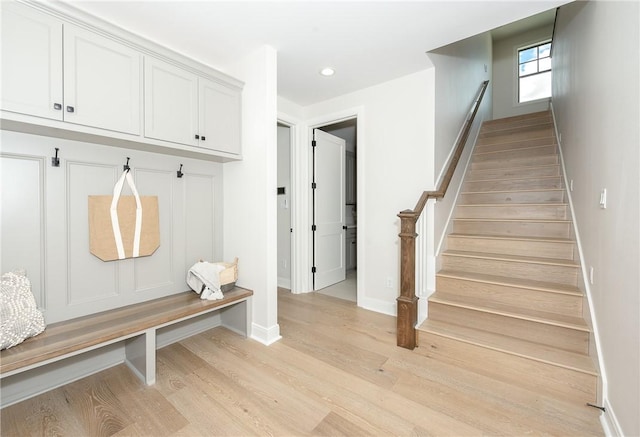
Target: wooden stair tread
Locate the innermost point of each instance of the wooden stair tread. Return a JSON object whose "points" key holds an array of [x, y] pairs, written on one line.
{"points": [[527, 167], [513, 179], [488, 306], [512, 238], [481, 171], [516, 149], [512, 258], [526, 349], [536, 190], [517, 118], [507, 205], [550, 287], [516, 220]]}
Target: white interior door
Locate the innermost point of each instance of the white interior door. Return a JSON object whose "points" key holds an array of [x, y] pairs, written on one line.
{"points": [[328, 209]]}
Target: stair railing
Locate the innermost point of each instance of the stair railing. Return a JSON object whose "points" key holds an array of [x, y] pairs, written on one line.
{"points": [[407, 316]]}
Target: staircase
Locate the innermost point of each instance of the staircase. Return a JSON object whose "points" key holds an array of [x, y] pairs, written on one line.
{"points": [[507, 303]]}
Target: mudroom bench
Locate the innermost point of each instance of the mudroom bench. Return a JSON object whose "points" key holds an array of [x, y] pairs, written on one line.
{"points": [[135, 325]]}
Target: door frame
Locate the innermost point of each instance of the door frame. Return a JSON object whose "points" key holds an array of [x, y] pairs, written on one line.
{"points": [[295, 262], [301, 160]]}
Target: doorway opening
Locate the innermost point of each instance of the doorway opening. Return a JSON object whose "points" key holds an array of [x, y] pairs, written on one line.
{"points": [[284, 198], [343, 287]]}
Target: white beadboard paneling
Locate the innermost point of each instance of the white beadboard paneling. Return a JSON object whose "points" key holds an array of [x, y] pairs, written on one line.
{"points": [[22, 219], [89, 278], [69, 279], [199, 193], [157, 271]]}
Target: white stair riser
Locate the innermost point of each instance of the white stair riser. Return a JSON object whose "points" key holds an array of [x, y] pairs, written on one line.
{"points": [[554, 336], [515, 162], [526, 298], [513, 184], [560, 274], [575, 387], [515, 173], [541, 249], [539, 196], [527, 152], [511, 228], [512, 211]]}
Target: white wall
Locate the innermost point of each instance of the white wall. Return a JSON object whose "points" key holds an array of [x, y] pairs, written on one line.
{"points": [[250, 216], [460, 69], [459, 72], [505, 70], [284, 207], [596, 105], [395, 147]]}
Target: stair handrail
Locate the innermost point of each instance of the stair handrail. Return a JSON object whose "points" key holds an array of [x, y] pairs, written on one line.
{"points": [[407, 311]]}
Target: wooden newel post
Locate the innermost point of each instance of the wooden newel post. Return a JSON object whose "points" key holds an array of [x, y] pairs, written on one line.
{"points": [[407, 301]]}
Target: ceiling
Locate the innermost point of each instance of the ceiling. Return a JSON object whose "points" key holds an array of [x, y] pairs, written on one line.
{"points": [[366, 42]]}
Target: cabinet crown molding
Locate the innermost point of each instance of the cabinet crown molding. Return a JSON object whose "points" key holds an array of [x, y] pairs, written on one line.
{"points": [[73, 15]]}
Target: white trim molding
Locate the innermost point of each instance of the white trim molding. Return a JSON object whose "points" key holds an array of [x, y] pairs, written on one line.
{"points": [[266, 336], [585, 280]]}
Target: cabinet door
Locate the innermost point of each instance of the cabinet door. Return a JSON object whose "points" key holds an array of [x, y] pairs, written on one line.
{"points": [[31, 46], [219, 117], [171, 103], [101, 82]]}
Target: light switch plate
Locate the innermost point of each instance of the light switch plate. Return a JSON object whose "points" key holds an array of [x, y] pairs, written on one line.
{"points": [[603, 198]]}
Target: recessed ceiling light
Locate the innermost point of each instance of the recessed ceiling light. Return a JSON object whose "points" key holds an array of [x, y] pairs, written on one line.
{"points": [[328, 71]]}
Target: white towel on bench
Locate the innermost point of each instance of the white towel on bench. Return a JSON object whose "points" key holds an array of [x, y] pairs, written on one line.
{"points": [[204, 279]]}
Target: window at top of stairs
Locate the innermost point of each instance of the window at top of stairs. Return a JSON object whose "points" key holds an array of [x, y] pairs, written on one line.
{"points": [[534, 72]]}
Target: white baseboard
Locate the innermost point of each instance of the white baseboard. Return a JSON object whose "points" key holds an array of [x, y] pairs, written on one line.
{"points": [[379, 306], [266, 336], [609, 421], [284, 283]]}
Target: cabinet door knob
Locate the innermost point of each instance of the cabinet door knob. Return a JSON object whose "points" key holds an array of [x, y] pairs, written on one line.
{"points": [[70, 109], [57, 106], [197, 137], [202, 138]]}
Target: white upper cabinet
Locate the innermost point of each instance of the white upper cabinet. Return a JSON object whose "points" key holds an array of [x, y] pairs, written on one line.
{"points": [[102, 82], [171, 103], [31, 45], [61, 72], [184, 108], [220, 117], [65, 75]]}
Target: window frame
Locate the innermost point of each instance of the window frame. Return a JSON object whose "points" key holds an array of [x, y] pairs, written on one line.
{"points": [[519, 49]]}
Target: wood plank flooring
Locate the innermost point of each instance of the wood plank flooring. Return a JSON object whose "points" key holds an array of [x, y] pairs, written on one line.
{"points": [[336, 371]]}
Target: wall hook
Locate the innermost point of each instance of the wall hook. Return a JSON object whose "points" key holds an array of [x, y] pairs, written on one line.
{"points": [[126, 166], [179, 172], [55, 161]]}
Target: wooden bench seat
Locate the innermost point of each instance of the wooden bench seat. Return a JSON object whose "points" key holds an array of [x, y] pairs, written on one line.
{"points": [[136, 325]]}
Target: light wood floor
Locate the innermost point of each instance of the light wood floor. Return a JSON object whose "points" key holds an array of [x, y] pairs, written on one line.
{"points": [[336, 371]]}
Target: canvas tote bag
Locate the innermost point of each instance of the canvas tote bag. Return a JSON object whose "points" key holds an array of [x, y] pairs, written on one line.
{"points": [[123, 227]]}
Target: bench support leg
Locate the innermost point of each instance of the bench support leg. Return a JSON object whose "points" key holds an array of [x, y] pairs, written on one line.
{"points": [[140, 354], [238, 318]]}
